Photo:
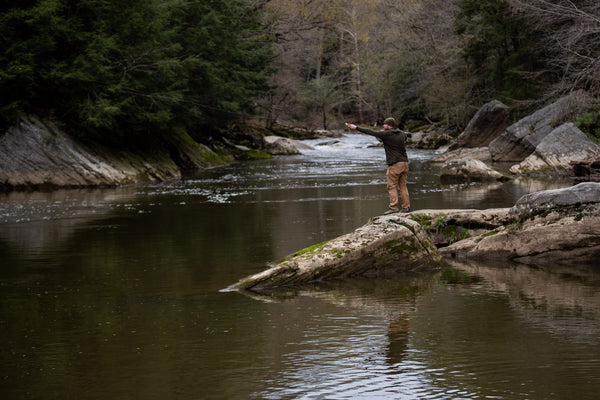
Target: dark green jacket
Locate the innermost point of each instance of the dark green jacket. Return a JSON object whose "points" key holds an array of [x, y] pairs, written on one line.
{"points": [[393, 143]]}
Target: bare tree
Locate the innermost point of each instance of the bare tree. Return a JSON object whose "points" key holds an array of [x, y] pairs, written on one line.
{"points": [[570, 42]]}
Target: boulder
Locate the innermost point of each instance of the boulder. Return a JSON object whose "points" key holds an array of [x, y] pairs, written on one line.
{"points": [[477, 153], [546, 228], [583, 193], [385, 245], [557, 151], [468, 170], [521, 138], [549, 227], [277, 145], [487, 124]]}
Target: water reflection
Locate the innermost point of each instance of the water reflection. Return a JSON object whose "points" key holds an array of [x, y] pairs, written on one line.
{"points": [[457, 333], [114, 293], [398, 335]]}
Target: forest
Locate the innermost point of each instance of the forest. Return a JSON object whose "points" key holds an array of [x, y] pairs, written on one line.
{"points": [[126, 70]]}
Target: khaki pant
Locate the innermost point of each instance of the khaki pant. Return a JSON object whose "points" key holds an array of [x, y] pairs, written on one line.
{"points": [[396, 181]]}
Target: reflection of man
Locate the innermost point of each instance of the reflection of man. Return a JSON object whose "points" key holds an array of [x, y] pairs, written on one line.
{"points": [[398, 332], [395, 155]]}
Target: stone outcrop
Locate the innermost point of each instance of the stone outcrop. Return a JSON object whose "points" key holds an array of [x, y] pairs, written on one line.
{"points": [[557, 226], [521, 138], [477, 153], [277, 145], [489, 122], [583, 193], [551, 228], [386, 245], [543, 143], [35, 153], [468, 170], [562, 147]]}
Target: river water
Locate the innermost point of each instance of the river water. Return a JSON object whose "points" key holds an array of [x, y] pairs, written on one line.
{"points": [[116, 294]]}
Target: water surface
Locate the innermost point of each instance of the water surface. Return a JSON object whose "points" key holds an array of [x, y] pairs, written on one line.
{"points": [[114, 293]]}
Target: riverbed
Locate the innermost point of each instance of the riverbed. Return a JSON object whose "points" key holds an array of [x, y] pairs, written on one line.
{"points": [[116, 293]]}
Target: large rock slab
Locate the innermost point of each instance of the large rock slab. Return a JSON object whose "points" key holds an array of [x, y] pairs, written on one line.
{"points": [[489, 122], [583, 193], [556, 226], [564, 146], [385, 245], [35, 153], [468, 170], [521, 138]]}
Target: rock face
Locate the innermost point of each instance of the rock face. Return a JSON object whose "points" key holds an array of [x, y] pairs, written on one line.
{"points": [[468, 170], [37, 154], [385, 245], [552, 227], [521, 138], [477, 153], [563, 146], [487, 124]]}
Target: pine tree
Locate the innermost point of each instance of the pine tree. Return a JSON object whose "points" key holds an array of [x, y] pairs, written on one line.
{"points": [[113, 69]]}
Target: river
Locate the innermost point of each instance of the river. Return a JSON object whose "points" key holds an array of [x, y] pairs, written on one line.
{"points": [[116, 293]]}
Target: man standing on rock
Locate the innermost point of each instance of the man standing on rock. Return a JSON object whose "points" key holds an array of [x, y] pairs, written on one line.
{"points": [[394, 141]]}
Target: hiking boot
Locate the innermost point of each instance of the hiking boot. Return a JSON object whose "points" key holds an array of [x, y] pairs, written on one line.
{"points": [[405, 210], [391, 211]]}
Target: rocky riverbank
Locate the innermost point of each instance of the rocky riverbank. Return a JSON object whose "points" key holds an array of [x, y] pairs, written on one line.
{"points": [[36, 154], [545, 143], [545, 228]]}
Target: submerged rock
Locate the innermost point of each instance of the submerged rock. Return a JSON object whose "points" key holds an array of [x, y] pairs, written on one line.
{"points": [[384, 246]]}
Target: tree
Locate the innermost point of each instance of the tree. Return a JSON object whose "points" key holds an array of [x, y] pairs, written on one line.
{"points": [[499, 47], [226, 58], [114, 69], [569, 44]]}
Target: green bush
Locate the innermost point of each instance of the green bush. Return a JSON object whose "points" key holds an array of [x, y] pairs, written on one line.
{"points": [[590, 124]]}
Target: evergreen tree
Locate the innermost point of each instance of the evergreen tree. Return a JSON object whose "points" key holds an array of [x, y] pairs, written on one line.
{"points": [[226, 58], [112, 69], [498, 45]]}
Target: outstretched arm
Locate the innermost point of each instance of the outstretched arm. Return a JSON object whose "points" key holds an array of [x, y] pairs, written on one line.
{"points": [[350, 126]]}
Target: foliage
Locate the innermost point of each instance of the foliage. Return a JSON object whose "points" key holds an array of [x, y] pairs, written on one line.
{"points": [[125, 69], [568, 44], [590, 124], [498, 46]]}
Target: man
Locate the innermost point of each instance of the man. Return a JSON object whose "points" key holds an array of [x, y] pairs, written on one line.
{"points": [[395, 155]]}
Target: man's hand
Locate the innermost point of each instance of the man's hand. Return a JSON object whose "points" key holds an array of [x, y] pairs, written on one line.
{"points": [[350, 126]]}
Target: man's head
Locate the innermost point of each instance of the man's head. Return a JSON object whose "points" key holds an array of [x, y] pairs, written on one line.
{"points": [[391, 122]]}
